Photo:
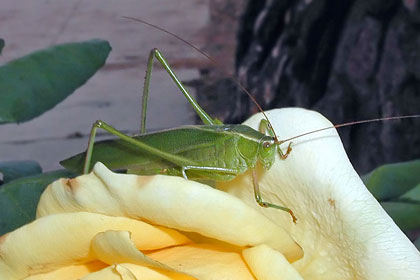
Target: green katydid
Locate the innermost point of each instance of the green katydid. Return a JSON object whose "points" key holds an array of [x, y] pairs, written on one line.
{"points": [[213, 151]]}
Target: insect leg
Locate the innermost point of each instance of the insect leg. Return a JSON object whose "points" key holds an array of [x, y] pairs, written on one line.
{"points": [[145, 98], [227, 171], [89, 150], [264, 204], [155, 53], [266, 127], [178, 160]]}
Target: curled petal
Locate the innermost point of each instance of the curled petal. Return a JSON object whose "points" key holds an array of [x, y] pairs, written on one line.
{"points": [[170, 201], [201, 261], [343, 230], [65, 239], [117, 247], [267, 264]]}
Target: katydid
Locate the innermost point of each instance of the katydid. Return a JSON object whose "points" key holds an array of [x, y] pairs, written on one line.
{"points": [[213, 151]]}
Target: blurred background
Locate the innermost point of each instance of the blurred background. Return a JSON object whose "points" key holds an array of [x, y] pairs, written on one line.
{"points": [[113, 94], [349, 60]]}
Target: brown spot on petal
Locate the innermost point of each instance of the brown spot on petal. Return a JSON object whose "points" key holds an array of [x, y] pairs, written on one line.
{"points": [[332, 203], [66, 183], [143, 180], [71, 184]]}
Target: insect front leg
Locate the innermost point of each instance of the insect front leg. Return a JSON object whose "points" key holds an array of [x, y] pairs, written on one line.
{"points": [[265, 204], [266, 127]]}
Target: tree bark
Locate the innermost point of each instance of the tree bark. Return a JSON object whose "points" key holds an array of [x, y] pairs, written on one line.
{"points": [[349, 60]]}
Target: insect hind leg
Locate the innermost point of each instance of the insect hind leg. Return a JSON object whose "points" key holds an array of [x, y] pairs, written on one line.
{"points": [[91, 143], [175, 159], [156, 54], [222, 170]]}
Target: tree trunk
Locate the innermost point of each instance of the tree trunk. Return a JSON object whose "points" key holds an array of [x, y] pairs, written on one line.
{"points": [[349, 60]]}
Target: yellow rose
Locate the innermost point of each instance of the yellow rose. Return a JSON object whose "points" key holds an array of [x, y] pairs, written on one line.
{"points": [[112, 226]]}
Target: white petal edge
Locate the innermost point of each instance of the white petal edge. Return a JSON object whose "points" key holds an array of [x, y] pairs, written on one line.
{"points": [[343, 230]]}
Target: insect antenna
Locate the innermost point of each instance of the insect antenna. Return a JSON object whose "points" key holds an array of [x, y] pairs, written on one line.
{"points": [[233, 78], [242, 87], [351, 123]]}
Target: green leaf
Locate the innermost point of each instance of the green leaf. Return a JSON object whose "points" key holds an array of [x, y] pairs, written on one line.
{"points": [[15, 169], [35, 83], [1, 45], [412, 195], [19, 199], [405, 215], [393, 180]]}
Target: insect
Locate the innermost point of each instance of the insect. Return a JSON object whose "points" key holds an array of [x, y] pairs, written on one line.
{"points": [[213, 151]]}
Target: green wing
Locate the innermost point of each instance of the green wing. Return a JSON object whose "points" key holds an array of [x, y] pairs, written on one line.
{"points": [[209, 146]]}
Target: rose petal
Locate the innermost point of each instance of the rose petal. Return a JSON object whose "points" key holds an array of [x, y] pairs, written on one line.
{"points": [[196, 260], [170, 201], [127, 271], [343, 230], [205, 262], [117, 247], [70, 272], [64, 239], [114, 272], [268, 264]]}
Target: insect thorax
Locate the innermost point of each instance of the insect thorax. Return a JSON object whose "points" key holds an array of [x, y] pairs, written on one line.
{"points": [[254, 145]]}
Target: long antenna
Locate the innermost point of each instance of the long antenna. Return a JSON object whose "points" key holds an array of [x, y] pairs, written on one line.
{"points": [[352, 123], [213, 61], [242, 87]]}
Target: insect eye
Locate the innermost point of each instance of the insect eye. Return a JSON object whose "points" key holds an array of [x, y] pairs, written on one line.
{"points": [[266, 144]]}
